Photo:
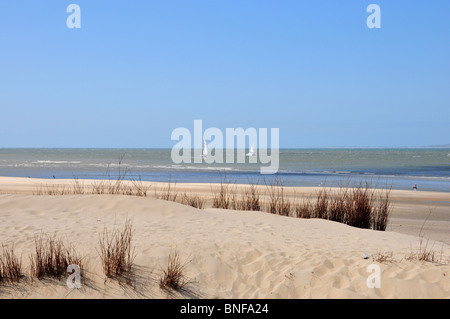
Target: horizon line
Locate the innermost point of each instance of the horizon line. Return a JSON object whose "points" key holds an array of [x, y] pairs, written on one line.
{"points": [[445, 146]]}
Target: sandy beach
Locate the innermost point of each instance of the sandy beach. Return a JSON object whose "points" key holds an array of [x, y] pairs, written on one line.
{"points": [[230, 254]]}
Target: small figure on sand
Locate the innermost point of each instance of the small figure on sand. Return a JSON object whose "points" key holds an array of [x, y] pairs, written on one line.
{"points": [[415, 187]]}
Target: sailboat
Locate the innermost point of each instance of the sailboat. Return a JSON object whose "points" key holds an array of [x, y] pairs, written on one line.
{"points": [[205, 149], [251, 152]]}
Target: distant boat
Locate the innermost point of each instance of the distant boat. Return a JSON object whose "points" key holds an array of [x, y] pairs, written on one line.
{"points": [[251, 152], [205, 149]]}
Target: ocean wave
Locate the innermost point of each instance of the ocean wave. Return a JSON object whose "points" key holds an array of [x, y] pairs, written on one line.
{"points": [[198, 168], [104, 165], [56, 162]]}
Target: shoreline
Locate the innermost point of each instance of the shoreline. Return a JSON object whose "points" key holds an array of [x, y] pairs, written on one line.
{"points": [[397, 182]]}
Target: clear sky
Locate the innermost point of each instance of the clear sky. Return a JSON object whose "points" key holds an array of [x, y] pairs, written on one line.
{"points": [[136, 70]]}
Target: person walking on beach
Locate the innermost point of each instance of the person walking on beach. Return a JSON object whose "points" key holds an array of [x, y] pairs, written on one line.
{"points": [[415, 187]]}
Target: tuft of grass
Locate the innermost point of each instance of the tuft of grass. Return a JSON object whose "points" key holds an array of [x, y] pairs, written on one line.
{"points": [[167, 193], [225, 196], [383, 257], [117, 186], [114, 187], [78, 187], [11, 269], [51, 190], [339, 206], [250, 199], [106, 185], [382, 211], [139, 188], [51, 258], [193, 200], [173, 277], [322, 204], [117, 253], [423, 253], [361, 206], [278, 204], [304, 209], [99, 187]]}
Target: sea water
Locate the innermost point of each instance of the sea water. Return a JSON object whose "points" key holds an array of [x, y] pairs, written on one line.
{"points": [[396, 168]]}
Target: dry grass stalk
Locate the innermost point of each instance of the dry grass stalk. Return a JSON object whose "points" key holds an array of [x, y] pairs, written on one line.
{"points": [[99, 187], [304, 209], [321, 205], [339, 205], [78, 187], [106, 185], [225, 196], [139, 188], [51, 258], [250, 199], [193, 200], [424, 253], [51, 190], [173, 277], [11, 269], [167, 193], [382, 211], [117, 253], [361, 207], [383, 257], [278, 204]]}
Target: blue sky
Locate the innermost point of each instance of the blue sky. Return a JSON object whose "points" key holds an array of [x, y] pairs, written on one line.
{"points": [[136, 70]]}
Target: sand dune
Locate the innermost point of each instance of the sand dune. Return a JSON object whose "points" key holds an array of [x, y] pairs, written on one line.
{"points": [[231, 254], [410, 208]]}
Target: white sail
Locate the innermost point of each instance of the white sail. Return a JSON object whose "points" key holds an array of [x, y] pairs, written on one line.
{"points": [[251, 152], [205, 148]]}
